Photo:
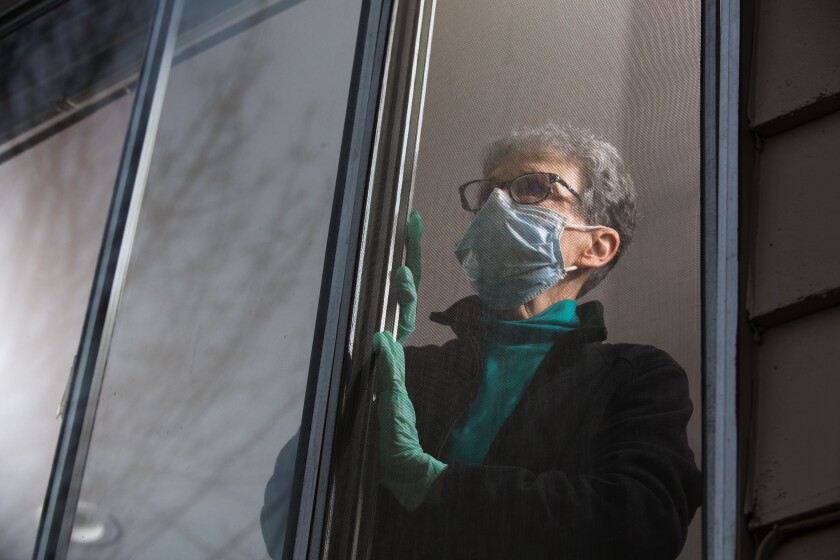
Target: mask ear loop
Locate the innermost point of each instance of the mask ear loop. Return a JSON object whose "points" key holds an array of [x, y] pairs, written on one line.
{"points": [[582, 227], [578, 227]]}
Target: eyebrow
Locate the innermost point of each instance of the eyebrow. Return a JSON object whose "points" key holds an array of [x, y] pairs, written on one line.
{"points": [[520, 174]]}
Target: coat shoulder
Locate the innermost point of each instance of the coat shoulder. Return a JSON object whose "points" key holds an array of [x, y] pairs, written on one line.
{"points": [[638, 357]]}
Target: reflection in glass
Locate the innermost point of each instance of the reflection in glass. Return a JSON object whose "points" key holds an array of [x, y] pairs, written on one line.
{"points": [[209, 356], [59, 152], [53, 205]]}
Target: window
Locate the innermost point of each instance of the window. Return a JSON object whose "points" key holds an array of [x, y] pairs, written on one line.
{"points": [[462, 76], [202, 368], [221, 388]]}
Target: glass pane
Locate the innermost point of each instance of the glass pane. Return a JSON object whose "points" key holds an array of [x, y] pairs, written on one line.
{"points": [[539, 436], [65, 109], [210, 350]]}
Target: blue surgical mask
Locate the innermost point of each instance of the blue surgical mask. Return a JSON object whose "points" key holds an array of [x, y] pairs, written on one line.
{"points": [[511, 252]]}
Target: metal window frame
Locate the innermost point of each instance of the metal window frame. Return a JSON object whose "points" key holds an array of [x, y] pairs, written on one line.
{"points": [[309, 489], [389, 189], [720, 191]]}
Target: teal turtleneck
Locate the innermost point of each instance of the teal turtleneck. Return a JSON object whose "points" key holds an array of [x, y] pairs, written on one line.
{"points": [[513, 349]]}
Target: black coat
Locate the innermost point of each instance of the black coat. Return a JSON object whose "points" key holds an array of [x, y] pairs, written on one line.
{"points": [[592, 463]]}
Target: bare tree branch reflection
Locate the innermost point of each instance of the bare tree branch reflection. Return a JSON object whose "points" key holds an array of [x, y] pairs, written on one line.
{"points": [[211, 347], [210, 351]]}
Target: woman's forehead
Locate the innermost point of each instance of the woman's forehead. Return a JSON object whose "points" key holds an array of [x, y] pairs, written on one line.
{"points": [[516, 164]]}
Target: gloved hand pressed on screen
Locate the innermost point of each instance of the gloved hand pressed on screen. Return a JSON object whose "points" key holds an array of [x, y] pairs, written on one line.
{"points": [[407, 471]]}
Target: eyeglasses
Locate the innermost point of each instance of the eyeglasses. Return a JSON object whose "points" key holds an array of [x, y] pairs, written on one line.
{"points": [[531, 188]]}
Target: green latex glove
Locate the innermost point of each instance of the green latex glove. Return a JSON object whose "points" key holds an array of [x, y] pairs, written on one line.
{"points": [[407, 471], [407, 278]]}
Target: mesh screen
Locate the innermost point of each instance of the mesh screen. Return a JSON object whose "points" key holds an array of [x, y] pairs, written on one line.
{"points": [[536, 421]]}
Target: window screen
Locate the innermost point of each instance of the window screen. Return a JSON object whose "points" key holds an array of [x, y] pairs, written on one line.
{"points": [[548, 402]]}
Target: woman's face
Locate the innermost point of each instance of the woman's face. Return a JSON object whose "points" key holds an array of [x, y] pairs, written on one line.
{"points": [[561, 200]]}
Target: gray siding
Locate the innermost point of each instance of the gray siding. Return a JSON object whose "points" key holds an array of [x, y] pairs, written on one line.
{"points": [[793, 471]]}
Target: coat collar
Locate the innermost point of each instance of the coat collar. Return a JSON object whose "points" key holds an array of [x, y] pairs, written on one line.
{"points": [[463, 317]]}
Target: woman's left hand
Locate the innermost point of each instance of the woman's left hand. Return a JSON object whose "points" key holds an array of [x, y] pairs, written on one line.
{"points": [[407, 471]]}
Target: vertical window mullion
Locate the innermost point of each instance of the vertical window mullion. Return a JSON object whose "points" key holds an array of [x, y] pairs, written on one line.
{"points": [[721, 21], [308, 496]]}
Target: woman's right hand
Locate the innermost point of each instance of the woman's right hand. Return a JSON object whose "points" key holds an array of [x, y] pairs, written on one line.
{"points": [[407, 278]]}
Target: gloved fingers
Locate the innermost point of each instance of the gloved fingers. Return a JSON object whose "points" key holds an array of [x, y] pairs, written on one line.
{"points": [[413, 235], [405, 286], [407, 297], [389, 368]]}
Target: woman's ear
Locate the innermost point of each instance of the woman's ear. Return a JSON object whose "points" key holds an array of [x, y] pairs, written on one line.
{"points": [[602, 248]]}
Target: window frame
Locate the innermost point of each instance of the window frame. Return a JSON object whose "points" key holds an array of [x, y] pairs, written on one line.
{"points": [[307, 504], [720, 53], [65, 481], [720, 83]]}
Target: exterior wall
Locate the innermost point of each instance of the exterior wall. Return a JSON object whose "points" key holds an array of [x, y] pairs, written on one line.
{"points": [[792, 465]]}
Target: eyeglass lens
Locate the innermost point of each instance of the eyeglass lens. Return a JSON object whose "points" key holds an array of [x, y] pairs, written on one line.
{"points": [[528, 189], [476, 193]]}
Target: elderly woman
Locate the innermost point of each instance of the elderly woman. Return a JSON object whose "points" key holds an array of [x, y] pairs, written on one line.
{"points": [[528, 436]]}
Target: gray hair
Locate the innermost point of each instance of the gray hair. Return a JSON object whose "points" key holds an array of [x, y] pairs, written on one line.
{"points": [[608, 199]]}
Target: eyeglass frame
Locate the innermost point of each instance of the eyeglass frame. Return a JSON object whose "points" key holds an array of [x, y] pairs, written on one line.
{"points": [[553, 178]]}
